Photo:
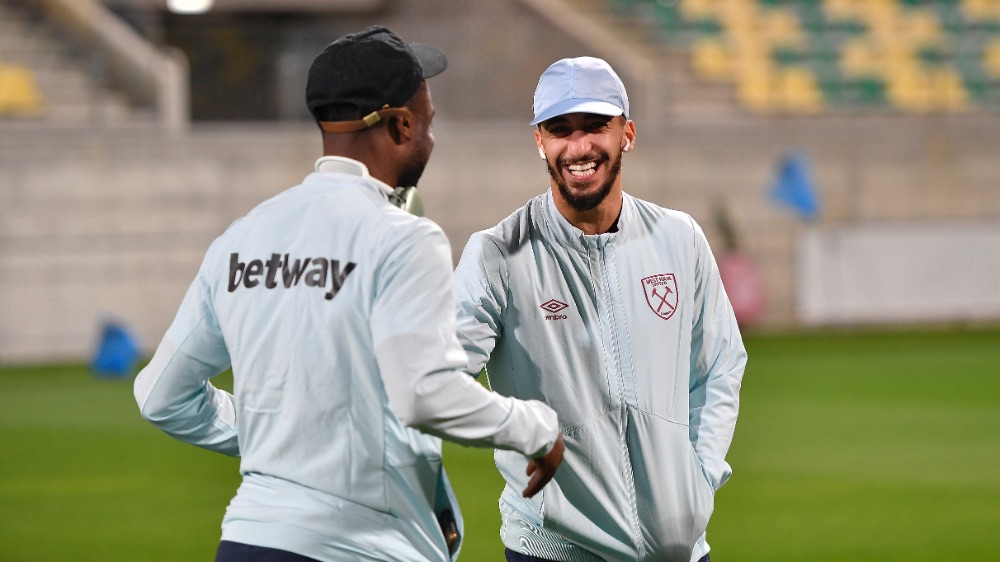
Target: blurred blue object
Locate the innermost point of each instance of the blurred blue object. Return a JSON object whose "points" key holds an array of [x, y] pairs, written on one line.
{"points": [[794, 188], [117, 352]]}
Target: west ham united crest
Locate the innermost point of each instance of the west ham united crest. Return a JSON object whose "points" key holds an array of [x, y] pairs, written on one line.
{"points": [[661, 294]]}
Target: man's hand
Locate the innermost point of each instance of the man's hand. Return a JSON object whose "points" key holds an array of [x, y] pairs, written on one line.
{"points": [[542, 469]]}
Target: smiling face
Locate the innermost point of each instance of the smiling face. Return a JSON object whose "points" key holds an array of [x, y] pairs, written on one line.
{"points": [[583, 153]]}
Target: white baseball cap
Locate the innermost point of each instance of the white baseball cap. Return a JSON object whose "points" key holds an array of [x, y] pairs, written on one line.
{"points": [[579, 85]]}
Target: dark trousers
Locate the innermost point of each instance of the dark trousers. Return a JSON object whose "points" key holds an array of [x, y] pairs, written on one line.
{"points": [[513, 556], [238, 552]]}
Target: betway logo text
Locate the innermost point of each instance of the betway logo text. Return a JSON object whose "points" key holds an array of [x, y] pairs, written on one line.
{"points": [[287, 272]]}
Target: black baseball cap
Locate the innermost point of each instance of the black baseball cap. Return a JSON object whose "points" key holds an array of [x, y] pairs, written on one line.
{"points": [[367, 71]]}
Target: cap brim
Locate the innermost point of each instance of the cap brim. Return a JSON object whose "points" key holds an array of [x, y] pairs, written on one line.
{"points": [[578, 106], [432, 60]]}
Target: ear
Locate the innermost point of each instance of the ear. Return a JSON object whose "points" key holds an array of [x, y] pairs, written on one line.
{"points": [[629, 135], [538, 144], [400, 127]]}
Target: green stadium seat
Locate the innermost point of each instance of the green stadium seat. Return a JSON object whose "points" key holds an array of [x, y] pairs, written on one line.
{"points": [[863, 92]]}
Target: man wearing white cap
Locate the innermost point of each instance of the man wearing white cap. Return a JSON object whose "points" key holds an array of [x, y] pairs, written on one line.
{"points": [[609, 309]]}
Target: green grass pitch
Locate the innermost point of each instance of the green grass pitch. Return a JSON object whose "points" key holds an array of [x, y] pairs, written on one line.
{"points": [[849, 447]]}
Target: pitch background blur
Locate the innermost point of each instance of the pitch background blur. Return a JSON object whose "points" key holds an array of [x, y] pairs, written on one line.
{"points": [[841, 155]]}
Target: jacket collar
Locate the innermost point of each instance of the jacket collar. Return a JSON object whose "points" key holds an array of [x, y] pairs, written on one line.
{"points": [[573, 237], [349, 166]]}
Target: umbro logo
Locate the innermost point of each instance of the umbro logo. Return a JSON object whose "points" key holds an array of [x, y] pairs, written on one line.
{"points": [[553, 307]]}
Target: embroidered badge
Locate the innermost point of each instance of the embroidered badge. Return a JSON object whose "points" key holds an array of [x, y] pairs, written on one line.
{"points": [[661, 294]]}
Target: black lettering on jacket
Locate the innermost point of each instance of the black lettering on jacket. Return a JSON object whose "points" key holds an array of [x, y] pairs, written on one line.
{"points": [[316, 272]]}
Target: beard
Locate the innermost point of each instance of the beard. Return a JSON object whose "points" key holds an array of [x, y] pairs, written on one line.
{"points": [[414, 167], [411, 175], [583, 203]]}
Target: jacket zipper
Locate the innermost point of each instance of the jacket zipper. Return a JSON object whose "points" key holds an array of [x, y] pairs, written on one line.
{"points": [[613, 316]]}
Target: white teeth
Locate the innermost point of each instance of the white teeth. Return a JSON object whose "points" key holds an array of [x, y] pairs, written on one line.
{"points": [[582, 169]]}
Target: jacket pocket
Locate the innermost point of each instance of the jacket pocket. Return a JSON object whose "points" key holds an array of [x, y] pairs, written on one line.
{"points": [[588, 501], [674, 499]]}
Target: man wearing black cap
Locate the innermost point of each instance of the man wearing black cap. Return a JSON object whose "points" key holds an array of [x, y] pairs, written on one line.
{"points": [[334, 309]]}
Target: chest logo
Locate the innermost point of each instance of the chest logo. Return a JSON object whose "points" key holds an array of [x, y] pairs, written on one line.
{"points": [[661, 294], [554, 307]]}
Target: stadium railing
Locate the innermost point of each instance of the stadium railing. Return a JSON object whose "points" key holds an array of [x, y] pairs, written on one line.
{"points": [[151, 76]]}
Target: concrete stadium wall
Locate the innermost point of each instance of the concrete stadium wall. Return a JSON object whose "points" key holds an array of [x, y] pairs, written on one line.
{"points": [[113, 223]]}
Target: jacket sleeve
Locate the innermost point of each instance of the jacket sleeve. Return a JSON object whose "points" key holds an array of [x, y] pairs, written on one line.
{"points": [[481, 299], [718, 359], [173, 391], [423, 365]]}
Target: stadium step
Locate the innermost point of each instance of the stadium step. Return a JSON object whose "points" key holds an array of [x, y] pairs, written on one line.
{"points": [[66, 78]]}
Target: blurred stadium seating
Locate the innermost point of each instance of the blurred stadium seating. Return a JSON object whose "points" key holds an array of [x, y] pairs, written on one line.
{"points": [[19, 93], [64, 74], [810, 56], [106, 211]]}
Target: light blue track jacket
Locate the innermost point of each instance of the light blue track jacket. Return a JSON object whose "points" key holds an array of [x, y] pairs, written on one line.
{"points": [[336, 312], [630, 337]]}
